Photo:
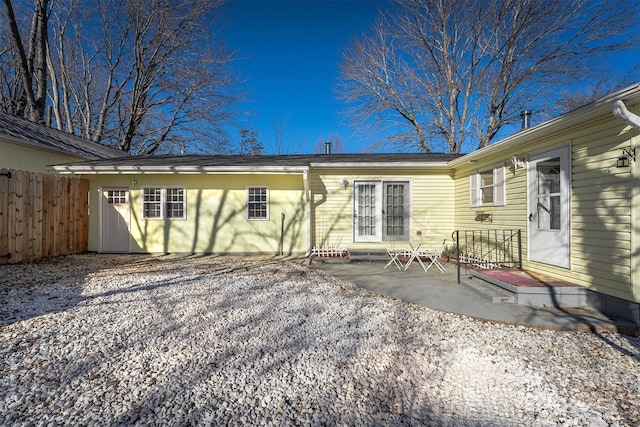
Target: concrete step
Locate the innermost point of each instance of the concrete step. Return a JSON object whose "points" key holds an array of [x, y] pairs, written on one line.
{"points": [[365, 255], [493, 293], [538, 294]]}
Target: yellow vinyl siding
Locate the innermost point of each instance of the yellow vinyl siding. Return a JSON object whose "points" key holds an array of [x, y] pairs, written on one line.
{"points": [[600, 225], [22, 157], [601, 210], [216, 217], [431, 204]]}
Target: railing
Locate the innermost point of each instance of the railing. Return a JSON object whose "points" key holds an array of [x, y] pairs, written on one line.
{"points": [[493, 248]]}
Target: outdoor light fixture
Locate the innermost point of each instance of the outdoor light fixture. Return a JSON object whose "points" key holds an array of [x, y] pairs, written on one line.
{"points": [[517, 163], [628, 154], [345, 184]]}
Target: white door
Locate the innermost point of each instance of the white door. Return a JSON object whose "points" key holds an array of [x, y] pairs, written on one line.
{"points": [[396, 211], [115, 220], [381, 211], [367, 212], [549, 214]]}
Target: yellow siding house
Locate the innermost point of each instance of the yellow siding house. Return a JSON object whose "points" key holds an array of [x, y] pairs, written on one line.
{"points": [[567, 188], [571, 186]]}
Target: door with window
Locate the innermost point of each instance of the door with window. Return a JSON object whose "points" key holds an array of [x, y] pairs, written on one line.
{"points": [[549, 214], [381, 211], [114, 220]]}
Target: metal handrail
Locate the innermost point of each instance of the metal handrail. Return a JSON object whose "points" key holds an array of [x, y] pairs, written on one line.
{"points": [[490, 248]]}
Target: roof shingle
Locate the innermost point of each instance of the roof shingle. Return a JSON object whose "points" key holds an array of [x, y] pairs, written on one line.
{"points": [[52, 139]]}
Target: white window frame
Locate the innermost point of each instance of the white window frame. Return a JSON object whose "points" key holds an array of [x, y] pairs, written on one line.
{"points": [[163, 202], [499, 187], [381, 235], [266, 202]]}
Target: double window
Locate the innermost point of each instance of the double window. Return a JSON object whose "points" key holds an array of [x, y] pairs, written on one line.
{"points": [[163, 203], [487, 187], [257, 203]]}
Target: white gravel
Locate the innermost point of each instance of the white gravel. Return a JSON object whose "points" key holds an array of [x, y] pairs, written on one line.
{"points": [[108, 340]]}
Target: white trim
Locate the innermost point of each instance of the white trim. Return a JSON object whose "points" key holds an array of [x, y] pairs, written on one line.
{"points": [[173, 170], [101, 198], [564, 152], [163, 203], [377, 237], [380, 165], [307, 195], [498, 186], [268, 202], [379, 183], [531, 137]]}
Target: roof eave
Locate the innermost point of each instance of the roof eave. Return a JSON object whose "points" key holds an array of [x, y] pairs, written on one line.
{"points": [[573, 118], [72, 169], [380, 165], [56, 150]]}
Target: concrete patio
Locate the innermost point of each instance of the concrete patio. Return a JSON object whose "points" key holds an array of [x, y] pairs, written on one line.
{"points": [[442, 292]]}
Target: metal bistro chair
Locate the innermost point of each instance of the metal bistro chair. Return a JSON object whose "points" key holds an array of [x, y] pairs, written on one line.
{"points": [[395, 254], [433, 255]]}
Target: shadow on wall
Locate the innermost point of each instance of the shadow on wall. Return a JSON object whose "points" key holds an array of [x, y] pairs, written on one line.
{"points": [[222, 227], [326, 222]]}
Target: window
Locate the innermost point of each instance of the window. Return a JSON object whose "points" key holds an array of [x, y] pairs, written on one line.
{"points": [[163, 203], [257, 203], [175, 202], [487, 187], [117, 197], [382, 211]]}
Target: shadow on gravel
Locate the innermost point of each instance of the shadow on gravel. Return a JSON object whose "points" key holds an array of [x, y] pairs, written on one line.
{"points": [[51, 285], [256, 343]]}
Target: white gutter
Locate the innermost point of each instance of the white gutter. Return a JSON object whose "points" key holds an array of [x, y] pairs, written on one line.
{"points": [[621, 112], [380, 165], [141, 170], [533, 134]]}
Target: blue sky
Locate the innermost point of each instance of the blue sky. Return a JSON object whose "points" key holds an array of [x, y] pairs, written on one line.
{"points": [[288, 53]]}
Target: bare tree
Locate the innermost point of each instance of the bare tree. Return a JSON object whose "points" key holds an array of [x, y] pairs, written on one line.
{"points": [[250, 145], [147, 76], [283, 144], [449, 75], [31, 58]]}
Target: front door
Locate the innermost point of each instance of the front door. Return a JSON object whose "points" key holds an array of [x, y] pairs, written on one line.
{"points": [[115, 220], [381, 211], [549, 215]]}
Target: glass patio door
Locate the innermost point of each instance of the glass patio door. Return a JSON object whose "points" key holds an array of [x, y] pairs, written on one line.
{"points": [[381, 211], [367, 212]]}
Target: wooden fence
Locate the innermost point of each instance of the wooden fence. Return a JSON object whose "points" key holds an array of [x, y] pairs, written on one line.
{"points": [[42, 215]]}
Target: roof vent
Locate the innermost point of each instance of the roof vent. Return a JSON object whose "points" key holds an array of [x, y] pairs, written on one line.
{"points": [[327, 147], [526, 119]]}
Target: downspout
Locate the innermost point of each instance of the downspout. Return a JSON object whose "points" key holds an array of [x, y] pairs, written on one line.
{"points": [[307, 195], [621, 112]]}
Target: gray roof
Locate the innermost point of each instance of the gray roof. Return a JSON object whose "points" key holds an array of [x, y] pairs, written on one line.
{"points": [[213, 163], [45, 137]]}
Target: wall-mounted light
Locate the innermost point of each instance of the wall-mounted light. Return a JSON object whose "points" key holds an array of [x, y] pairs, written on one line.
{"points": [[517, 163], [628, 154], [345, 184]]}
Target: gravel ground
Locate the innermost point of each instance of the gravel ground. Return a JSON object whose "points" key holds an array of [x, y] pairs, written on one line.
{"points": [[107, 340]]}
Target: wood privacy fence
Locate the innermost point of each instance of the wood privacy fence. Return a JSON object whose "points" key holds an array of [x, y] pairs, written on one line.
{"points": [[42, 215]]}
